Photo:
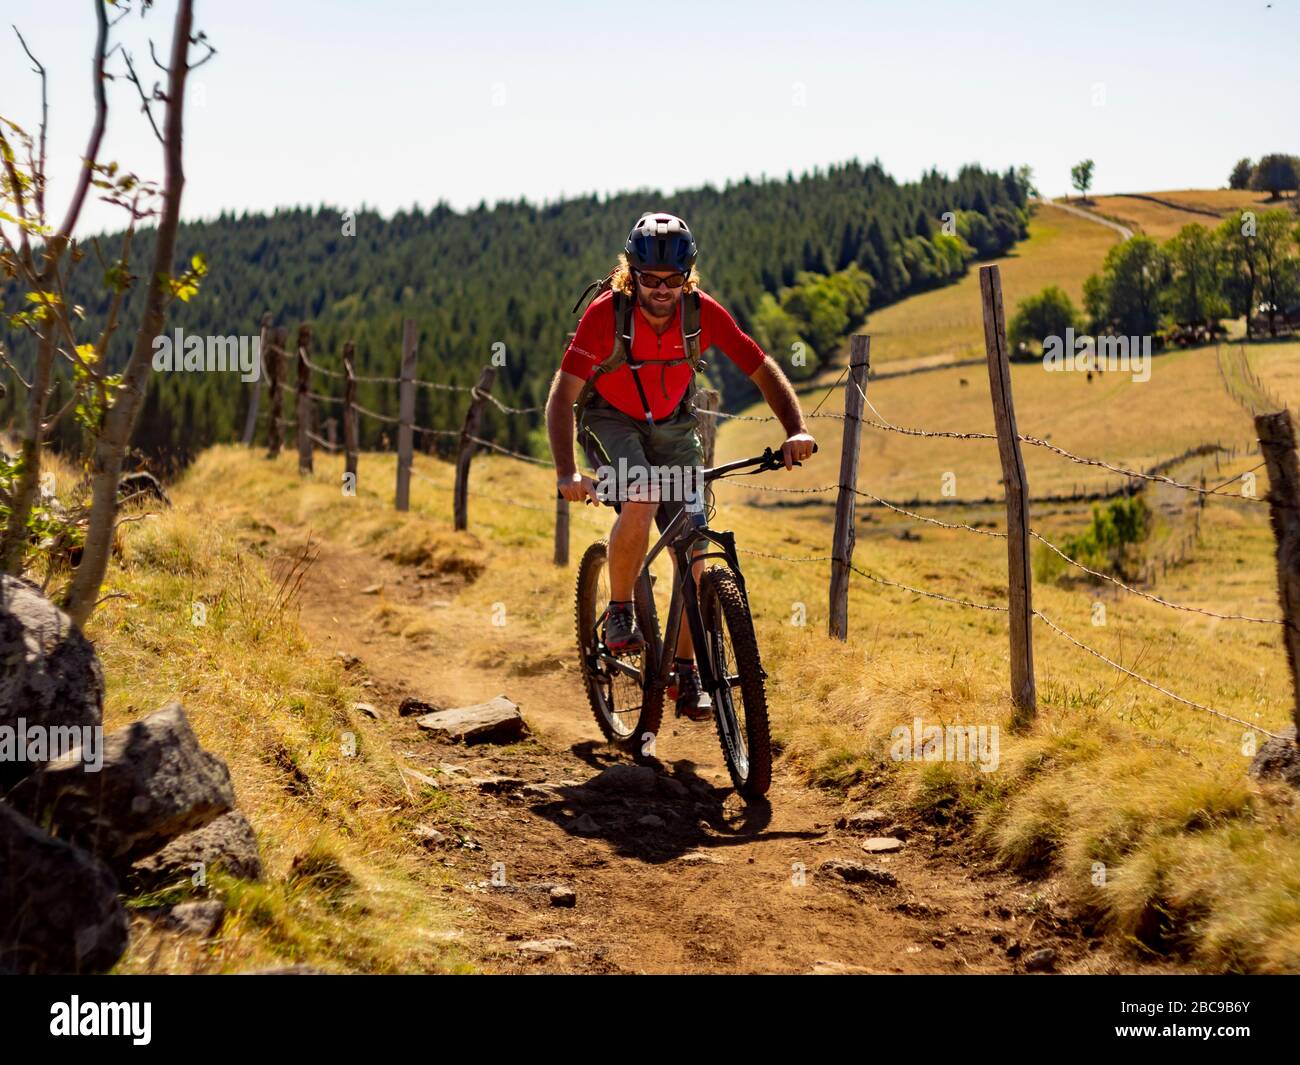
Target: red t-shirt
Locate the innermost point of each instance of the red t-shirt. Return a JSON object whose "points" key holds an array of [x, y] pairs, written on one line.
{"points": [[594, 341]]}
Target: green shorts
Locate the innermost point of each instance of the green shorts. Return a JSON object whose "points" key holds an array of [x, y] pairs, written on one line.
{"points": [[635, 461]]}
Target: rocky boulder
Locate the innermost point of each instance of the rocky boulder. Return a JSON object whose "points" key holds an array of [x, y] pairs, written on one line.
{"points": [[227, 843], [496, 721], [50, 676], [1278, 759], [59, 910], [155, 783]]}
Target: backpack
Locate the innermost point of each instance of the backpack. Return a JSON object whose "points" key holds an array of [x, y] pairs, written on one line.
{"points": [[621, 353]]}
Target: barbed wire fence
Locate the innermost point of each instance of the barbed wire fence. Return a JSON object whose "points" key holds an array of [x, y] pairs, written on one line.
{"points": [[1276, 436], [1276, 446]]}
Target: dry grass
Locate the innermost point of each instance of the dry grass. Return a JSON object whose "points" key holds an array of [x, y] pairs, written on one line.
{"points": [[944, 324], [1113, 417], [279, 714], [1277, 364], [1112, 772], [1164, 220]]}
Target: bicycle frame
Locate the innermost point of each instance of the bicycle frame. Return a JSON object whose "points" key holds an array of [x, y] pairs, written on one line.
{"points": [[682, 532], [679, 538], [687, 527]]}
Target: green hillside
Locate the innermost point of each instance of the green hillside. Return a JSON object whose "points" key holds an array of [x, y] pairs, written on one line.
{"points": [[509, 274]]}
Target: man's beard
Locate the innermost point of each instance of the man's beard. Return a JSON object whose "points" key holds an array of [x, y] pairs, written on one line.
{"points": [[656, 309]]}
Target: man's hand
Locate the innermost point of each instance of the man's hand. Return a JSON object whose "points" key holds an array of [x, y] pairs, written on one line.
{"points": [[575, 488], [797, 448]]}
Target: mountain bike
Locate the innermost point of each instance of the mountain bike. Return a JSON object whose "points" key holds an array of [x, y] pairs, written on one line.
{"points": [[627, 696]]}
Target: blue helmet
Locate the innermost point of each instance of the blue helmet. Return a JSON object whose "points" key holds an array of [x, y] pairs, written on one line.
{"points": [[661, 242]]}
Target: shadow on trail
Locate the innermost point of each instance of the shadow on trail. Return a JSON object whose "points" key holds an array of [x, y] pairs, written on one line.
{"points": [[656, 812]]}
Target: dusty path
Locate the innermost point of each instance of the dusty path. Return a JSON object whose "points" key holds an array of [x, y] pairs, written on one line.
{"points": [[706, 885], [1124, 232]]}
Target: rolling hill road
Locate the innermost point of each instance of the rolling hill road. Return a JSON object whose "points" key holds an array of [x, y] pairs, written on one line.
{"points": [[1124, 232], [672, 873]]}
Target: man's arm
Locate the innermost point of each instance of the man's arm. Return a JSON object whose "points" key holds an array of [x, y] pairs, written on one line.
{"points": [[559, 428], [779, 393], [740, 348]]}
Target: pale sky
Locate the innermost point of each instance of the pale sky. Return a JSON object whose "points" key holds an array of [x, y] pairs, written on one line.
{"points": [[393, 102]]}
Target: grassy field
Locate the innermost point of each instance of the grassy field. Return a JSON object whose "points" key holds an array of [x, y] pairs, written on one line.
{"points": [[277, 710], [1111, 771], [944, 324], [1164, 220], [1112, 417], [1277, 364]]}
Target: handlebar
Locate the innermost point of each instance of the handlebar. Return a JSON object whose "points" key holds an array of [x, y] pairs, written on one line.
{"points": [[769, 460]]}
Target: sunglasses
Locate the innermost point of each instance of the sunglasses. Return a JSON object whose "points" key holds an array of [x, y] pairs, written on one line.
{"points": [[651, 282]]}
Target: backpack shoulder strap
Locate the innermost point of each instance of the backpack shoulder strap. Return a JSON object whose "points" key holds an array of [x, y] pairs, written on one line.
{"points": [[691, 328], [623, 325], [619, 353], [598, 286]]}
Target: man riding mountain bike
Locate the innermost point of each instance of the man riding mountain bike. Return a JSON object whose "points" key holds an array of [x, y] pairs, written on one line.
{"points": [[628, 377]]}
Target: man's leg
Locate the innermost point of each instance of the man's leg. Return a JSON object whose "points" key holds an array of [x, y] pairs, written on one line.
{"points": [[614, 447], [628, 542]]}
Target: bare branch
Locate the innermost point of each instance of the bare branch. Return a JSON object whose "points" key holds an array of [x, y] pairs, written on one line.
{"points": [[116, 595], [201, 38], [39, 170], [156, 61], [57, 416], [8, 365], [145, 100], [96, 136]]}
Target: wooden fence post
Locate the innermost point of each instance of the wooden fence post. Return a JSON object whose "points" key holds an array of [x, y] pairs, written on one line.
{"points": [[350, 413], [304, 401], [706, 399], [467, 445], [561, 530], [275, 363], [406, 415], [263, 345], [1277, 444], [1016, 484], [846, 505]]}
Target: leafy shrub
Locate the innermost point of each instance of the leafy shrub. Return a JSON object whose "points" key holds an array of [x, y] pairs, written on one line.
{"points": [[1107, 545]]}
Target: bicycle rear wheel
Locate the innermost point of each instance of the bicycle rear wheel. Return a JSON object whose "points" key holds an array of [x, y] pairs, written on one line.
{"points": [[627, 709], [740, 703]]}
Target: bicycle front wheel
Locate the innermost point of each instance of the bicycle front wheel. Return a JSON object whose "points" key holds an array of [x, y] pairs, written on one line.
{"points": [[740, 703], [626, 702]]}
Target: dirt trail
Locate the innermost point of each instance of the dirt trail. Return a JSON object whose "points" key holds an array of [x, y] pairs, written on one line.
{"points": [[1125, 233], [713, 887]]}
